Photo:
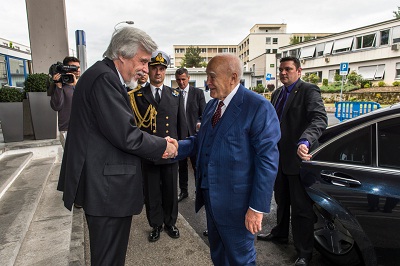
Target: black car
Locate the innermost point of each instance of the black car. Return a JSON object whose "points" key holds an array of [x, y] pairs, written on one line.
{"points": [[354, 180]]}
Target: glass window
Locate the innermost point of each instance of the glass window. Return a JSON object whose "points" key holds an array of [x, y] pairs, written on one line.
{"points": [[3, 71], [397, 70], [367, 72], [353, 148], [365, 41], [307, 51], [319, 50], [380, 72], [342, 45], [384, 37], [396, 34], [17, 71], [268, 51], [275, 41], [274, 51], [328, 48], [268, 40], [389, 143]]}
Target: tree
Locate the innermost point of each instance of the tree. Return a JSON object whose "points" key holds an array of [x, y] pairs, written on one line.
{"points": [[192, 57], [397, 13]]}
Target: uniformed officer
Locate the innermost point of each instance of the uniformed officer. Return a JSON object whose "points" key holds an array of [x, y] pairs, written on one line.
{"points": [[159, 110]]}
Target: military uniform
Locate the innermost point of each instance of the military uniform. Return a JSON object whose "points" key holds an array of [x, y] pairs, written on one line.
{"points": [[166, 118]]}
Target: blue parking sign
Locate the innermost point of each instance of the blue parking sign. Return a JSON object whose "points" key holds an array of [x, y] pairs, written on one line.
{"points": [[344, 69], [268, 76]]}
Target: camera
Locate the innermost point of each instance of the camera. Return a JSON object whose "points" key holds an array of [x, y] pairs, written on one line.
{"points": [[63, 70]]}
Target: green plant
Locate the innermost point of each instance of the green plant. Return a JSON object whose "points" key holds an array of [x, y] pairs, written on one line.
{"points": [[354, 78], [38, 82], [365, 83], [11, 95], [396, 83], [271, 87], [325, 82], [260, 88], [381, 84]]}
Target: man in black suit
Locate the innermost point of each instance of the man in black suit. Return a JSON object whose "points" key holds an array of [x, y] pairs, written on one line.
{"points": [[159, 110], [302, 118], [101, 166], [194, 102]]}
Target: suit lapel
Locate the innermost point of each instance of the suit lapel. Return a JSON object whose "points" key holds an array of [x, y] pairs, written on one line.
{"points": [[149, 96]]}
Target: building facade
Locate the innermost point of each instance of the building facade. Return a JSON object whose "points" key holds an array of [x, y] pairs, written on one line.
{"points": [[372, 51], [15, 63]]}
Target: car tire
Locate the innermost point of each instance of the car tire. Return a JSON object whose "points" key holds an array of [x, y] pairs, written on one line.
{"points": [[333, 240]]}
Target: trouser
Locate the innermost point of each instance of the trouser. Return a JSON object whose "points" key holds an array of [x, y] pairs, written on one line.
{"points": [[290, 195], [184, 173], [161, 195], [109, 237]]}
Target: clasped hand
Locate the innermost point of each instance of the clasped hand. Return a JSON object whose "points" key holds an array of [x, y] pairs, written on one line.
{"points": [[172, 148]]}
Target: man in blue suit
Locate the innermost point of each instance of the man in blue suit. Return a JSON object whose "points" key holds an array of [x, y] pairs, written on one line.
{"points": [[237, 162]]}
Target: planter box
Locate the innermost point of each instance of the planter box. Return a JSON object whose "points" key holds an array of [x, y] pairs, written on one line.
{"points": [[44, 119], [12, 122]]}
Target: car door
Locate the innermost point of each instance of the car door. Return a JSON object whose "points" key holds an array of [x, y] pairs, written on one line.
{"points": [[356, 178]]}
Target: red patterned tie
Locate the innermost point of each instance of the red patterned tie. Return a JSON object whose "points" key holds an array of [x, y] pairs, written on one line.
{"points": [[217, 114]]}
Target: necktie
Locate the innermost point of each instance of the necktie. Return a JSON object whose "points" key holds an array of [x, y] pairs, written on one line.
{"points": [[281, 103], [184, 98], [217, 114], [157, 97]]}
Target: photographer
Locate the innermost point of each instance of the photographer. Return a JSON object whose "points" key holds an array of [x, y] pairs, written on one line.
{"points": [[64, 78]]}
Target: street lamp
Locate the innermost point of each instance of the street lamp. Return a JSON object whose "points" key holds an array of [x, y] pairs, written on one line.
{"points": [[130, 22]]}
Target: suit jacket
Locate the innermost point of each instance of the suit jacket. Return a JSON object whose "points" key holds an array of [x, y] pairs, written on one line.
{"points": [[195, 105], [170, 119], [303, 117], [101, 167], [243, 162]]}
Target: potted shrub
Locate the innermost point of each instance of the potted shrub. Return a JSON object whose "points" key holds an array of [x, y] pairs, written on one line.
{"points": [[11, 114], [44, 119]]}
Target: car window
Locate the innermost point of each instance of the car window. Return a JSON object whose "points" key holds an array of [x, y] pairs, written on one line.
{"points": [[353, 148], [389, 143]]}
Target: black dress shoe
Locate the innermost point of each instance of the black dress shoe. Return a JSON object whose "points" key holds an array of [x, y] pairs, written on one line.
{"points": [[182, 196], [302, 262], [205, 232], [155, 234], [172, 231], [272, 238]]}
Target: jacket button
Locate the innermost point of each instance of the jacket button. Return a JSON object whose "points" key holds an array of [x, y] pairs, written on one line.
{"points": [[166, 131], [167, 125], [166, 117]]}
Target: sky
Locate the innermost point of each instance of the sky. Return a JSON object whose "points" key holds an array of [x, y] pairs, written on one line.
{"points": [[194, 22]]}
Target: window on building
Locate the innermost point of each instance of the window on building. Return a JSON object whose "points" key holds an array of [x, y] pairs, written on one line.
{"points": [[384, 37], [307, 52], [331, 75], [365, 41], [17, 71], [274, 40], [274, 51], [204, 50], [374, 72], [342, 45], [294, 52], [180, 51], [268, 51], [319, 49], [328, 48], [397, 70], [3, 71], [268, 40], [396, 35]]}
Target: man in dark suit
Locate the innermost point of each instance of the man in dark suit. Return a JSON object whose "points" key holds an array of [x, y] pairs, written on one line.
{"points": [[101, 166], [303, 118], [159, 110], [194, 102], [237, 162]]}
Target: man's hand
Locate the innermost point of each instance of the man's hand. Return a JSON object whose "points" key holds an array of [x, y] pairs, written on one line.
{"points": [[57, 77], [172, 148], [302, 152], [253, 221]]}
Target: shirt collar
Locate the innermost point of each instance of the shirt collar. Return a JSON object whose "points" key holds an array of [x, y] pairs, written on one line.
{"points": [[153, 88], [228, 98], [290, 87], [120, 77]]}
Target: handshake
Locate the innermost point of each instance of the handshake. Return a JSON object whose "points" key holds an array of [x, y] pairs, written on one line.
{"points": [[172, 148]]}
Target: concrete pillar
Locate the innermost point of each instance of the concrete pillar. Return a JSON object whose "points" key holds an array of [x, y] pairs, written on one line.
{"points": [[48, 33]]}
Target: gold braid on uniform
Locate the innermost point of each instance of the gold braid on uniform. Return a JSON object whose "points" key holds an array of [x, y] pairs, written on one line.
{"points": [[149, 118]]}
